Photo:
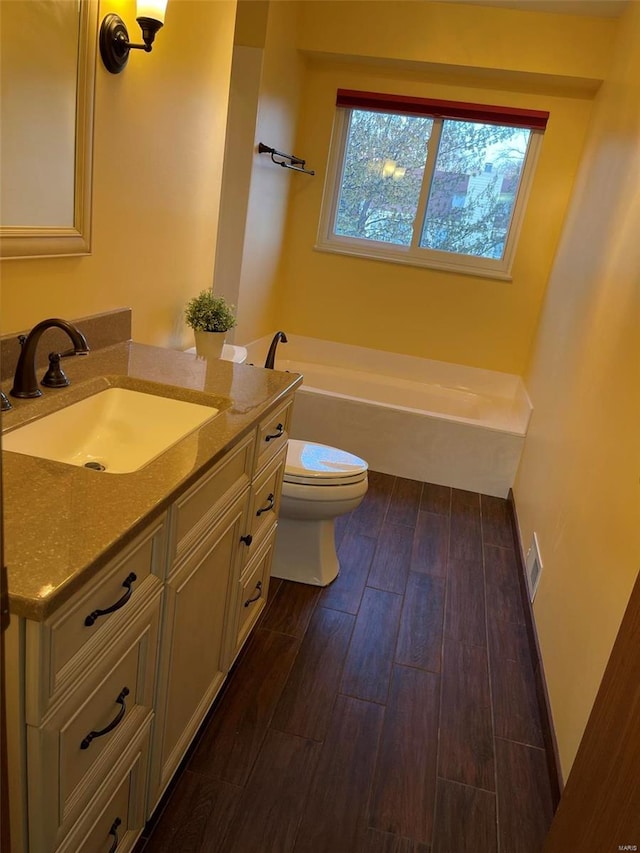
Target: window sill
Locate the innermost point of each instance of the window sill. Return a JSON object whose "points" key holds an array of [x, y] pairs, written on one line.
{"points": [[412, 261]]}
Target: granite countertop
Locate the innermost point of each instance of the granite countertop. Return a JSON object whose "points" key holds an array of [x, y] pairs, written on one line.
{"points": [[63, 523]]}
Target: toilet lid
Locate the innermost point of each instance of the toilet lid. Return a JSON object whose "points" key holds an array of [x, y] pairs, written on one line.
{"points": [[311, 463]]}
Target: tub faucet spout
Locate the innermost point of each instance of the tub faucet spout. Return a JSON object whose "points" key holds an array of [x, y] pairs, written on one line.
{"points": [[25, 382], [271, 355]]}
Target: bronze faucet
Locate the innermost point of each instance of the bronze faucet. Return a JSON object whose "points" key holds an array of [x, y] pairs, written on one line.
{"points": [[271, 355], [25, 382]]}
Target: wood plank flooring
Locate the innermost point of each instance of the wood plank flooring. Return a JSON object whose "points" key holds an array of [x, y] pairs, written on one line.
{"points": [[394, 711]]}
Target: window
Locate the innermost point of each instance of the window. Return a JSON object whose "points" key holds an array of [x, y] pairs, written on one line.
{"points": [[430, 183]]}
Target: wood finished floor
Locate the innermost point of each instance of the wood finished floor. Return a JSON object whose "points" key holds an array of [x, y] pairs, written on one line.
{"points": [[392, 712]]}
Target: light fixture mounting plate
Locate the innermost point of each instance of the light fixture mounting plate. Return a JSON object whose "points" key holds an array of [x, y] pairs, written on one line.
{"points": [[114, 43]]}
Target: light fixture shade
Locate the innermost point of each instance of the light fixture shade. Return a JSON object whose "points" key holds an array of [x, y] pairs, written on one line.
{"points": [[114, 36], [154, 9]]}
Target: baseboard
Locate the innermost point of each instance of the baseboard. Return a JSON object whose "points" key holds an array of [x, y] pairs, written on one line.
{"points": [[548, 732]]}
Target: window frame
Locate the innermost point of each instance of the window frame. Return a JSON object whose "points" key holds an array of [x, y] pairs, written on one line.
{"points": [[414, 255]]}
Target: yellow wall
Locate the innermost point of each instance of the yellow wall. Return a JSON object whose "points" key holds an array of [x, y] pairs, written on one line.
{"points": [[159, 139], [457, 318], [578, 484], [459, 35], [265, 235]]}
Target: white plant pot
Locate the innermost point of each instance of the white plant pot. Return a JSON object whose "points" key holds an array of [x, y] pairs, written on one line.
{"points": [[209, 344]]}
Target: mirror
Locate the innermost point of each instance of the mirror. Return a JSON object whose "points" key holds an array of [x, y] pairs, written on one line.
{"points": [[47, 74]]}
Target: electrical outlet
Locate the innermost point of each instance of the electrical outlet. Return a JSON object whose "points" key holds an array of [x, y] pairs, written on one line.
{"points": [[533, 567]]}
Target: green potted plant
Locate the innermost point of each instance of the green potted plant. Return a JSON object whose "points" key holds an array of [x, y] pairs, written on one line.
{"points": [[210, 317]]}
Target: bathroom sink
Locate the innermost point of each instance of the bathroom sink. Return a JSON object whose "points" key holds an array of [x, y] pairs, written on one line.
{"points": [[116, 430]]}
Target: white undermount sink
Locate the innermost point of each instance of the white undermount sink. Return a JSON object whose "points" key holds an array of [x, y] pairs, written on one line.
{"points": [[116, 430]]}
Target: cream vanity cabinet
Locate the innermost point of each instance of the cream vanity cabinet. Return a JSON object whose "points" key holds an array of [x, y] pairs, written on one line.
{"points": [[114, 685]]}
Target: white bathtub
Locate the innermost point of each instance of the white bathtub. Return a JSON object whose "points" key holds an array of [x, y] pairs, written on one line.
{"points": [[411, 417]]}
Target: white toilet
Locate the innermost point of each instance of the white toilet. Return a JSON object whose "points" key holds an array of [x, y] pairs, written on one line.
{"points": [[320, 483]]}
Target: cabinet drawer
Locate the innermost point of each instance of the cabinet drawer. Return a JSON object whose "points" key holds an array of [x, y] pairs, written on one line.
{"points": [[60, 650], [198, 509], [80, 742], [254, 589], [112, 824], [273, 432], [265, 498], [115, 818], [93, 727]]}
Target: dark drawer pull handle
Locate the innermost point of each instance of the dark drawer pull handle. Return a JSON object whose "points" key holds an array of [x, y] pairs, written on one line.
{"points": [[248, 539], [271, 502], [91, 618], [115, 722], [254, 597], [277, 434], [114, 831]]}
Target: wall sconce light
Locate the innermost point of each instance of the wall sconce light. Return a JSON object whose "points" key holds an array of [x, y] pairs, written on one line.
{"points": [[114, 37]]}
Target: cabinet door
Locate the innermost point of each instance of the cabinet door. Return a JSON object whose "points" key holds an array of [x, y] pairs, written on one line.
{"points": [[193, 659], [200, 507]]}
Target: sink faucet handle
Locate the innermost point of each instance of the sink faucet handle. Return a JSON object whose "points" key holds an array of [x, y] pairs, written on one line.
{"points": [[55, 377], [5, 405]]}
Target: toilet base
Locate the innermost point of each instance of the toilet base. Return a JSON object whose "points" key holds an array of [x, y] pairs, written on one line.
{"points": [[305, 552]]}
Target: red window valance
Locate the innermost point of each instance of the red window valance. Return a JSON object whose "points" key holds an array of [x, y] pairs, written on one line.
{"points": [[507, 116]]}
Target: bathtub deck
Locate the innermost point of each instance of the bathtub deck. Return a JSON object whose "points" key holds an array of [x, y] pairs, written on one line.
{"points": [[393, 712]]}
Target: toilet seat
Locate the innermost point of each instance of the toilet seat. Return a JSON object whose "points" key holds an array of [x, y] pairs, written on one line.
{"points": [[312, 464]]}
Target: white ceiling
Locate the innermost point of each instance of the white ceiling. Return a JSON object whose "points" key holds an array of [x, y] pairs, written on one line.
{"points": [[597, 8]]}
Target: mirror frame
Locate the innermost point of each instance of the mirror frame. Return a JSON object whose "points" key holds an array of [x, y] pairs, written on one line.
{"points": [[51, 241]]}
